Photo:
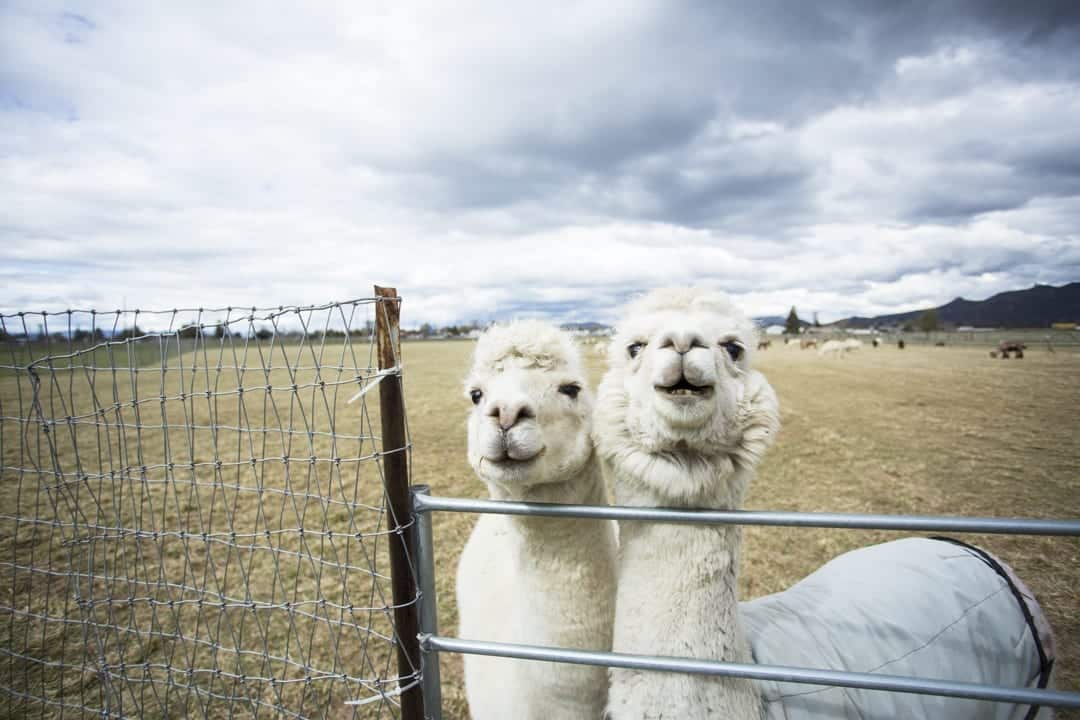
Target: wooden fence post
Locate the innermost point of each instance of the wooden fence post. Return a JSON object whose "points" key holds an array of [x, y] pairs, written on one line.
{"points": [[396, 475]]}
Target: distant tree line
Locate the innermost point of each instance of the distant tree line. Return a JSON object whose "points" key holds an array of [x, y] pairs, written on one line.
{"points": [[929, 321], [791, 325], [427, 330]]}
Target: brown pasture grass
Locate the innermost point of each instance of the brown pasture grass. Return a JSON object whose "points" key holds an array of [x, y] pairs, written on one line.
{"points": [[927, 430]]}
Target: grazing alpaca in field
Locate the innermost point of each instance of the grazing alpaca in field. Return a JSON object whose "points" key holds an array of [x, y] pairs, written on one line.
{"points": [[1011, 346], [681, 421], [543, 581], [840, 347], [831, 347]]}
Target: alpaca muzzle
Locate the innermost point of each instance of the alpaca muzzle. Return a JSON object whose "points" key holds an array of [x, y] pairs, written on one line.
{"points": [[684, 388], [683, 375], [511, 447]]}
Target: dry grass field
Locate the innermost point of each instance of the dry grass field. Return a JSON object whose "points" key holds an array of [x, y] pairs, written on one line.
{"points": [[926, 430]]}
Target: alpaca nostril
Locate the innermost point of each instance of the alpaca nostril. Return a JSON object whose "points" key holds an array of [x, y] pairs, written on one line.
{"points": [[511, 415]]}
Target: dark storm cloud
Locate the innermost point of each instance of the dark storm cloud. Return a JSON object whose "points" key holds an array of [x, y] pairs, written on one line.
{"points": [[1059, 165], [983, 177], [960, 207], [736, 197], [537, 165], [703, 66], [607, 143], [1031, 22]]}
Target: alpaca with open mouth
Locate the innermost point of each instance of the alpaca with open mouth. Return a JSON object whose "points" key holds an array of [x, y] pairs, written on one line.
{"points": [[681, 421]]}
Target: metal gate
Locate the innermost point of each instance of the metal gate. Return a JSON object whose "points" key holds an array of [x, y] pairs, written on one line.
{"points": [[432, 643]]}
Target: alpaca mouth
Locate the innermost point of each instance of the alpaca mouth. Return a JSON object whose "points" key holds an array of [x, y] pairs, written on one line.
{"points": [[685, 388], [508, 460]]}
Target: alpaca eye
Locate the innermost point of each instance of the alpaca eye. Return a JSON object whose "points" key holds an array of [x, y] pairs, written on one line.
{"points": [[476, 395], [634, 349], [733, 348], [571, 390]]}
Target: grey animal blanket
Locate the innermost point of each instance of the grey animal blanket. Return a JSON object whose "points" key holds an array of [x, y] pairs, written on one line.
{"points": [[928, 608]]}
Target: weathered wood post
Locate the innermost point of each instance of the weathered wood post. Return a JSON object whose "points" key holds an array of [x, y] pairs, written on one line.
{"points": [[396, 476]]}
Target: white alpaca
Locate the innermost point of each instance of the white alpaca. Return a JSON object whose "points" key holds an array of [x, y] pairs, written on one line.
{"points": [[540, 581], [839, 347], [681, 421]]}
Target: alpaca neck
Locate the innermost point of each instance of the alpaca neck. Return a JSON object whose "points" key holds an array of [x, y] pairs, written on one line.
{"points": [[702, 561], [540, 581], [685, 578], [677, 596], [547, 550]]}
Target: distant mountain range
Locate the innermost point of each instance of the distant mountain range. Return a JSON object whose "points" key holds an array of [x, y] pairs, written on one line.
{"points": [[1037, 307]]}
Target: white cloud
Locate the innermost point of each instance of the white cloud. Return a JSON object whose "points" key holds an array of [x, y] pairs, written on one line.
{"points": [[493, 159]]}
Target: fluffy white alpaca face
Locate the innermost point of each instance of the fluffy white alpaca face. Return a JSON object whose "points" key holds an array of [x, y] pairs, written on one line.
{"points": [[531, 414], [680, 401], [683, 377]]}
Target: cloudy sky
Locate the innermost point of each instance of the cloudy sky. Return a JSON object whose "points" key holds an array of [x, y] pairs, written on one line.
{"points": [[499, 158]]}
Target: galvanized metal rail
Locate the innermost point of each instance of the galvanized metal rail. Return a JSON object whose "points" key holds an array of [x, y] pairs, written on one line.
{"points": [[779, 673], [432, 643], [851, 521]]}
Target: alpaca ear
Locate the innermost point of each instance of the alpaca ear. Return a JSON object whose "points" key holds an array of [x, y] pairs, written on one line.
{"points": [[759, 418]]}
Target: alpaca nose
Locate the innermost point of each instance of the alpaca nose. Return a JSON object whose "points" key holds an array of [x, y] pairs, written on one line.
{"points": [[682, 342], [510, 414]]}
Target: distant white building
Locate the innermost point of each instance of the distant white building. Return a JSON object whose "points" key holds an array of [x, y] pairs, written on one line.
{"points": [[774, 330]]}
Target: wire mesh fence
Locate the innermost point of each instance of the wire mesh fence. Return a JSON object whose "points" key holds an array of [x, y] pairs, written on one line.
{"points": [[193, 517]]}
